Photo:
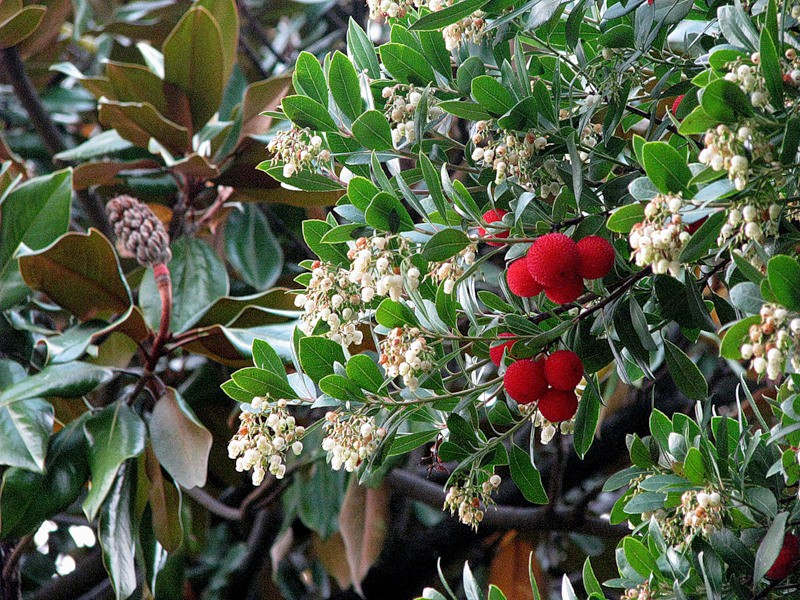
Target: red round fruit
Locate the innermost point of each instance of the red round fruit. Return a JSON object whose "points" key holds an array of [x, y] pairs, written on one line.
{"points": [[558, 405], [524, 380], [565, 294], [787, 557], [494, 215], [553, 260], [676, 103], [563, 369], [597, 257], [496, 352], [520, 281]]}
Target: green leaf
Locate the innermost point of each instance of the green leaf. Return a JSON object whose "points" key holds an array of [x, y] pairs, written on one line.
{"points": [[113, 435], [363, 370], [406, 442], [313, 232], [407, 65], [194, 61], [70, 380], [587, 418], [306, 112], [526, 475], [361, 50], [495, 593], [769, 48], [704, 238], [697, 122], [434, 183], [318, 355], [251, 248], [180, 441], [372, 131], [623, 219], [619, 36], [666, 168], [685, 373], [386, 213], [491, 95], [639, 557], [791, 139], [341, 388], [737, 335], [783, 273], [471, 111], [308, 78], [445, 244], [25, 427], [198, 279], [590, 583], [81, 273], [265, 357], [20, 25], [262, 382], [344, 84], [693, 467], [770, 547], [448, 15], [391, 313], [467, 71], [35, 213], [117, 534], [306, 180], [434, 49], [725, 101]]}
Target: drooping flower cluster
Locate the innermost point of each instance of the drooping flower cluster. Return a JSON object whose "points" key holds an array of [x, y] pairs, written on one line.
{"points": [[401, 105], [702, 513], [511, 156], [377, 270], [297, 150], [659, 239], [726, 150], [749, 79], [640, 592], [547, 429], [350, 441], [406, 353], [773, 340], [468, 29], [266, 433], [469, 499], [590, 137], [332, 297], [748, 223], [383, 9], [450, 270]]}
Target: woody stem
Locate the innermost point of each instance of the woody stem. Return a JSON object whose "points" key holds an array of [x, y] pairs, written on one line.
{"points": [[164, 285]]}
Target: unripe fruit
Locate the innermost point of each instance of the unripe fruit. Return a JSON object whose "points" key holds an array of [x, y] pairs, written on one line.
{"points": [[496, 352], [524, 380], [564, 370], [787, 557], [492, 216], [553, 260], [558, 405], [566, 293], [597, 257], [520, 281]]}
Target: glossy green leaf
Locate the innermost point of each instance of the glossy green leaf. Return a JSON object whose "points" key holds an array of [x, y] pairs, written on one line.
{"points": [[447, 15], [666, 168], [344, 84], [363, 370], [361, 50], [685, 373], [251, 248], [306, 112], [309, 79], [372, 131], [386, 213], [70, 380], [445, 244], [725, 101], [783, 273], [770, 546], [491, 95], [526, 475], [623, 219], [117, 533], [406, 65], [318, 356]]}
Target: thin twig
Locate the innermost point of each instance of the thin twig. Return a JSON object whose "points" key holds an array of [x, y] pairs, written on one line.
{"points": [[16, 554]]}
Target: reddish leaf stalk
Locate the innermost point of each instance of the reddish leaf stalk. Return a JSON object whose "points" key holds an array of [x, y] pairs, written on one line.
{"points": [[164, 285]]}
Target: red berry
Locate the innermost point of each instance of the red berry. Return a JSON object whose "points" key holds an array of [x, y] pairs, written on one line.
{"points": [[524, 380], [597, 257], [677, 103], [564, 370], [787, 557], [493, 216], [695, 225], [565, 294], [553, 260], [520, 281], [496, 352], [558, 405]]}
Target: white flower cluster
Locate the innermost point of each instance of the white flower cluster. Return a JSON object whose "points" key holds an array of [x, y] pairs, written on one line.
{"points": [[640, 592], [376, 271], [405, 353], [750, 223], [468, 29], [513, 157], [725, 151], [702, 513], [401, 105], [773, 340], [332, 297], [451, 269], [391, 9], [469, 500], [266, 433], [590, 137], [297, 149], [547, 429], [350, 441], [659, 239], [749, 80]]}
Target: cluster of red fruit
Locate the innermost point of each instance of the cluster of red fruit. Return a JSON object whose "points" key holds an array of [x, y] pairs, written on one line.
{"points": [[555, 263], [550, 380], [787, 559]]}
